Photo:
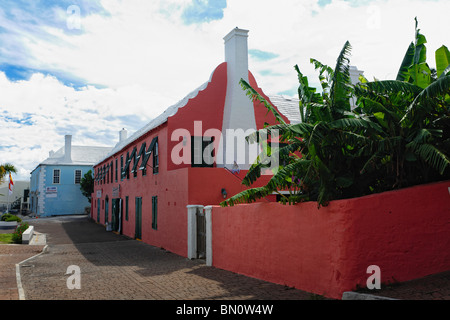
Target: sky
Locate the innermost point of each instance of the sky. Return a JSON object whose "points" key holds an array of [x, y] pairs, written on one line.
{"points": [[89, 68]]}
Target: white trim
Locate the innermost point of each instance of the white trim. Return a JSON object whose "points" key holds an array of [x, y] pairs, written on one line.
{"points": [[208, 217], [59, 177], [192, 230], [18, 278]]}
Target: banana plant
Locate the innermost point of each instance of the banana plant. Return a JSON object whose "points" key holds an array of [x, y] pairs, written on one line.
{"points": [[398, 136], [414, 113], [322, 154]]}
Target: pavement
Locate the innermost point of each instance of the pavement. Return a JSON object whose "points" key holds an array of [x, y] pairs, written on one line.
{"points": [[113, 267]]}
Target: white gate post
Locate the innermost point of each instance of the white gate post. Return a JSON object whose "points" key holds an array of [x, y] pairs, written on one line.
{"points": [[208, 217], [192, 230]]}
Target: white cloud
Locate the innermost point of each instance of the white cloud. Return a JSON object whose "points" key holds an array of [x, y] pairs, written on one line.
{"points": [[142, 59]]}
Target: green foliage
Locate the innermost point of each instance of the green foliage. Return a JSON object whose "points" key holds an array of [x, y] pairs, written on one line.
{"points": [[6, 238], [397, 136], [8, 217], [87, 185], [17, 235]]}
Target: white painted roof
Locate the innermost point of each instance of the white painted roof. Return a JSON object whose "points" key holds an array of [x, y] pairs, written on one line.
{"points": [[80, 155], [287, 106], [161, 119]]}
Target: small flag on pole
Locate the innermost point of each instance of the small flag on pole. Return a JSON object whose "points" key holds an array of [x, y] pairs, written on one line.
{"points": [[11, 184]]}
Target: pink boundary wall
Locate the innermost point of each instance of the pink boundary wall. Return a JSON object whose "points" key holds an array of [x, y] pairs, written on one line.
{"points": [[327, 251]]}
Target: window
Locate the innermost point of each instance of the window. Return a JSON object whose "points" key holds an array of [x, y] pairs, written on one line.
{"points": [[111, 166], [145, 155], [77, 176], [56, 176], [155, 158], [126, 172], [116, 168], [154, 212], [202, 152], [121, 168]]}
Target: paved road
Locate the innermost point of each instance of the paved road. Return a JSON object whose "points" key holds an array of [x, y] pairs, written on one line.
{"points": [[113, 267]]}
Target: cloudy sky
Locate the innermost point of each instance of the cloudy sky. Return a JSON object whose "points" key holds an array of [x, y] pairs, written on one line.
{"points": [[92, 67]]}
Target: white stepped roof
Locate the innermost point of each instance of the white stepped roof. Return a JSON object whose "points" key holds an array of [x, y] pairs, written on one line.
{"points": [[287, 106], [80, 155]]}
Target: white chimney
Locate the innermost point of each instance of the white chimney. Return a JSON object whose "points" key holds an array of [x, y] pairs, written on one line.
{"points": [[68, 149], [123, 134], [238, 111], [354, 78]]}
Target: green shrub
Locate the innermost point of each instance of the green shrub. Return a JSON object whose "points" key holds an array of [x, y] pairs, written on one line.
{"points": [[17, 235], [10, 217]]}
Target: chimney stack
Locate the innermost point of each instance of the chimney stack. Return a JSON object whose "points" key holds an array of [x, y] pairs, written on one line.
{"points": [[238, 111], [123, 134], [68, 149]]}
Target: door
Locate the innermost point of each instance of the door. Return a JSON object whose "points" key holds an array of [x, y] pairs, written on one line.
{"points": [[115, 220], [106, 209], [138, 214], [201, 234], [98, 210]]}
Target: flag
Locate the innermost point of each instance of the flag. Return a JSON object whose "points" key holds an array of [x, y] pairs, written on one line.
{"points": [[11, 184]]}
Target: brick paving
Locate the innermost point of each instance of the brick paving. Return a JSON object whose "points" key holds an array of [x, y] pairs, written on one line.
{"points": [[432, 287], [9, 256], [114, 267]]}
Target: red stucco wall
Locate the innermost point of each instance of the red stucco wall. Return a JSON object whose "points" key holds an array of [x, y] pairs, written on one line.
{"points": [[327, 251], [177, 185], [207, 108]]}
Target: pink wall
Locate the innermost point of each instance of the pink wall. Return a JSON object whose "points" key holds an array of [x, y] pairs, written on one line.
{"points": [[327, 251], [170, 187], [177, 185], [206, 107]]}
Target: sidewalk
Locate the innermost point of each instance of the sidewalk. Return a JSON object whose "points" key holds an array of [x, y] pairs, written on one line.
{"points": [[10, 255]]}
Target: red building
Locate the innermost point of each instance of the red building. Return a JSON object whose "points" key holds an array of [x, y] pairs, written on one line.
{"points": [[186, 156]]}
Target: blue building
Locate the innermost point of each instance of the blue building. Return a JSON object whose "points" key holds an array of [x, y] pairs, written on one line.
{"points": [[55, 183]]}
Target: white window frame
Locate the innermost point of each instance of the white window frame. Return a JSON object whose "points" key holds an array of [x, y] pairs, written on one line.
{"points": [[54, 176], [75, 176]]}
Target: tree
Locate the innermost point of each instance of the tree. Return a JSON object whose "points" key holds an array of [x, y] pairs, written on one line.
{"points": [[5, 169], [414, 112], [324, 152], [87, 185], [397, 136]]}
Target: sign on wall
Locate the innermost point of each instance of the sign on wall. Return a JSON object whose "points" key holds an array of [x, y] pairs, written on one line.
{"points": [[51, 192], [116, 192]]}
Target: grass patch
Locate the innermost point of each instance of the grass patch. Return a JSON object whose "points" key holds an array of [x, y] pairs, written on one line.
{"points": [[6, 238]]}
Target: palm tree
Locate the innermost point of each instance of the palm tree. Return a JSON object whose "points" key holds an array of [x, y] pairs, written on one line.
{"points": [[5, 169]]}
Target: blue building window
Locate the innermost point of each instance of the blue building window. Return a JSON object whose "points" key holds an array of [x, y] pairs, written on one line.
{"points": [[56, 176], [77, 176]]}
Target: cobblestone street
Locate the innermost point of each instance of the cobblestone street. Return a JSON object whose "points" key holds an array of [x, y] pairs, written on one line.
{"points": [[114, 267]]}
